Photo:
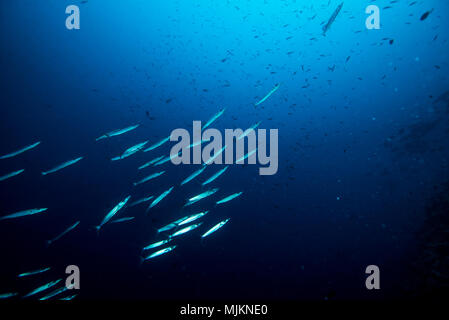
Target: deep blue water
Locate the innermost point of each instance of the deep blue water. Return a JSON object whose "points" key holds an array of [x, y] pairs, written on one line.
{"points": [[362, 143]]}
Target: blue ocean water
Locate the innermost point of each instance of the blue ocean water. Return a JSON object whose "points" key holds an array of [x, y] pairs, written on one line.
{"points": [[363, 126]]}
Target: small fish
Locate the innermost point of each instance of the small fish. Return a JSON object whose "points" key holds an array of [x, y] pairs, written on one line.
{"points": [[215, 176], [62, 166], [332, 18], [135, 203], [117, 132], [201, 196], [247, 131], [42, 288], [23, 213], [167, 159], [150, 177], [425, 15], [171, 225], [15, 153], [150, 163], [192, 218], [160, 252], [12, 174], [229, 198], [158, 199], [193, 175], [68, 298], [157, 244], [73, 226], [154, 146], [113, 212], [8, 295], [32, 273], [249, 154], [215, 228], [130, 151], [268, 95], [185, 230], [215, 117], [125, 219], [54, 293]]}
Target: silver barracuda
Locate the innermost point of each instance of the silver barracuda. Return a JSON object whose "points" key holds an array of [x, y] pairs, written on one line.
{"points": [[154, 146], [185, 230], [192, 218], [73, 226], [193, 175], [160, 252], [200, 196], [247, 131], [32, 273], [215, 117], [15, 153], [150, 177], [117, 132], [215, 176], [12, 174], [135, 203], [113, 212], [229, 198], [158, 199], [157, 244], [125, 219], [150, 163], [246, 155], [23, 213], [215, 228], [268, 95], [42, 288], [130, 151], [62, 166]]}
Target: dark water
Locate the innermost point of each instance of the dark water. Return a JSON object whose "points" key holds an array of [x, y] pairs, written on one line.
{"points": [[363, 129]]}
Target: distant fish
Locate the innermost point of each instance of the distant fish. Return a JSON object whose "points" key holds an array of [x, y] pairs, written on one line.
{"points": [[61, 166], [196, 143], [150, 163], [125, 219], [185, 230], [192, 218], [249, 154], [171, 225], [201, 196], [247, 131], [229, 198], [54, 293], [113, 212], [150, 177], [8, 295], [268, 95], [193, 175], [73, 226], [117, 132], [42, 288], [157, 244], [12, 174], [154, 146], [32, 273], [425, 15], [332, 18], [215, 117], [215, 228], [15, 153], [68, 298], [135, 203], [215, 176], [158, 199], [167, 159], [130, 151], [160, 252], [23, 213]]}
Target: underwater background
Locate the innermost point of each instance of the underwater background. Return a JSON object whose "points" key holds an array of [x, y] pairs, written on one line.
{"points": [[363, 120]]}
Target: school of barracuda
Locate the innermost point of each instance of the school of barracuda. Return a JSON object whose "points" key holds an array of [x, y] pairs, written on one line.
{"points": [[166, 235]]}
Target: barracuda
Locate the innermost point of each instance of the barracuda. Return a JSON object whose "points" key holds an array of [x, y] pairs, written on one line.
{"points": [[130, 151], [31, 273], [185, 230], [42, 288], [215, 228], [154, 146], [160, 252], [229, 198], [23, 213], [62, 166], [192, 218], [135, 203], [150, 177], [158, 199], [193, 175], [156, 244], [201, 196], [117, 132], [73, 226], [150, 163], [112, 213], [268, 95], [215, 176], [12, 174], [215, 117], [247, 131], [15, 153]]}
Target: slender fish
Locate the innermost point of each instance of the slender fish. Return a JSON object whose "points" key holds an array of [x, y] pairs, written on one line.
{"points": [[23, 213], [215, 228], [215, 176], [229, 198], [135, 203], [8, 295], [150, 177], [193, 175], [200, 196], [15, 153], [117, 132], [332, 18], [12, 174], [269, 94], [62, 166], [42, 288], [130, 151], [125, 219], [160, 252], [247, 131], [158, 199], [31, 273], [185, 230], [246, 155], [157, 244], [154, 146], [150, 163], [215, 117], [113, 212], [73, 226]]}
